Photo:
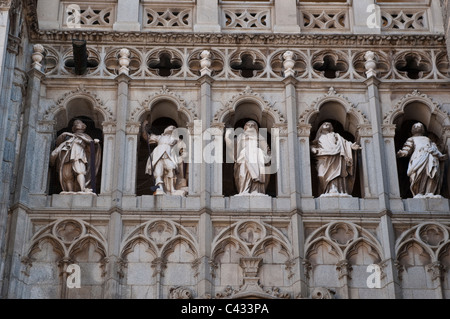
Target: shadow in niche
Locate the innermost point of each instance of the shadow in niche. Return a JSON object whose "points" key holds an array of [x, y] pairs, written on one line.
{"points": [[229, 185], [338, 128], [95, 133]]}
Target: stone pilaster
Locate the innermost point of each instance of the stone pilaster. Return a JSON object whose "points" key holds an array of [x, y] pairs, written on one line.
{"points": [[109, 147], [293, 154], [286, 17], [207, 16], [127, 16]]}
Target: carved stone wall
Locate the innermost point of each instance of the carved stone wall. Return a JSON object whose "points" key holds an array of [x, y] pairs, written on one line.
{"points": [[289, 67]]}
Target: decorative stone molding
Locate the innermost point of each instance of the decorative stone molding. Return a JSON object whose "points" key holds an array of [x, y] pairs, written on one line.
{"points": [[161, 236], [254, 290], [370, 64], [250, 265], [323, 293], [304, 130], [388, 130], [68, 237], [80, 92], [332, 96], [342, 240], [124, 61], [364, 130], [288, 63], [37, 56], [205, 63], [282, 129], [437, 270], [248, 95], [159, 265], [416, 96], [344, 268], [109, 127], [133, 128], [164, 94], [432, 239], [180, 292], [250, 236], [46, 126]]}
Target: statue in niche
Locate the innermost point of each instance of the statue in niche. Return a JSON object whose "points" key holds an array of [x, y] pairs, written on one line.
{"points": [[335, 162], [165, 161], [425, 170], [77, 159], [252, 155]]}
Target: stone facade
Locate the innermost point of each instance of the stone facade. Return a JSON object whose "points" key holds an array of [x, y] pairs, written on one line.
{"points": [[372, 69]]}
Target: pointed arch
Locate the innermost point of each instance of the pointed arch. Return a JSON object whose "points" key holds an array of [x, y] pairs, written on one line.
{"points": [[164, 94], [94, 104], [248, 96]]}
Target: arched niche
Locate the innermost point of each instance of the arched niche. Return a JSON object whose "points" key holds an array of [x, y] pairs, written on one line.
{"points": [[415, 111], [76, 108], [161, 114], [346, 124], [245, 110]]}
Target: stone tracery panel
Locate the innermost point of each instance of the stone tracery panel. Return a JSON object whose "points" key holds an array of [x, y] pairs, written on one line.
{"points": [[345, 249], [161, 250], [59, 244], [252, 251], [422, 260]]}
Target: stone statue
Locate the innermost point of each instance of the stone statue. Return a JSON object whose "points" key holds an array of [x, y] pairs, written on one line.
{"points": [[252, 155], [425, 168], [335, 161], [77, 159], [164, 162]]}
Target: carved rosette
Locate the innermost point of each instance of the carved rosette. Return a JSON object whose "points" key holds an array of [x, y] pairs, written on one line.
{"points": [[323, 293], [180, 292]]}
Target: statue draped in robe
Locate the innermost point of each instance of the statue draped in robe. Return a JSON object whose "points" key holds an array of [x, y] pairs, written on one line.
{"points": [[426, 168], [77, 159], [336, 161], [252, 156]]}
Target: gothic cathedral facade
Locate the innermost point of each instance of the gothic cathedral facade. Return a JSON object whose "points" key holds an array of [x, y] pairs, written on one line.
{"points": [[211, 149]]}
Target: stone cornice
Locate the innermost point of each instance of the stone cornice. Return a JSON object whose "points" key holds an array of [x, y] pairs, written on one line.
{"points": [[222, 39]]}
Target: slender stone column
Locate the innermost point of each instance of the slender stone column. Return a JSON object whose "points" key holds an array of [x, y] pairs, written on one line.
{"points": [[391, 157], [205, 280], [109, 138], [17, 239], [28, 143], [378, 143], [132, 131], [120, 139], [369, 172], [300, 285], [293, 154], [284, 171], [446, 140], [112, 280], [387, 236], [45, 130], [304, 132], [216, 172], [206, 117]]}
